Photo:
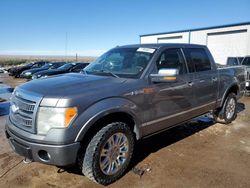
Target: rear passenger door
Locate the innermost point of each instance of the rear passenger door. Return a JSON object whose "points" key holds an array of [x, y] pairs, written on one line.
{"points": [[205, 78]]}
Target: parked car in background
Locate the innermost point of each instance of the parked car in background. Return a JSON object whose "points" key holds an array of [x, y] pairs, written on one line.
{"points": [[5, 92], [127, 94], [69, 67], [2, 70], [16, 71], [234, 61], [246, 62], [53, 65]]}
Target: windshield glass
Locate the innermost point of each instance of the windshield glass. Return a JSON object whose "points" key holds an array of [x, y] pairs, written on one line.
{"points": [[122, 62], [246, 61], [56, 65], [66, 66], [45, 66]]}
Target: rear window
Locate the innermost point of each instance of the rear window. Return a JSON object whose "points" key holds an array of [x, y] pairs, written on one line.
{"points": [[197, 60], [232, 61]]}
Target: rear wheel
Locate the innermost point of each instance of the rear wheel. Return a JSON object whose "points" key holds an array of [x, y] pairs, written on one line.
{"points": [[228, 112], [108, 154]]}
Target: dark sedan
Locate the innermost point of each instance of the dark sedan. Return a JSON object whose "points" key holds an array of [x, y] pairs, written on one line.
{"points": [[16, 71], [69, 67], [28, 73]]}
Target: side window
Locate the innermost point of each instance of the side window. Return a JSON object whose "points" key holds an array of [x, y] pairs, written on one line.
{"points": [[198, 58], [172, 59], [77, 68]]}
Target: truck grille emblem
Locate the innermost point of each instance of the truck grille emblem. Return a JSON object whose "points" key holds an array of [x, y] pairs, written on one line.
{"points": [[14, 108]]}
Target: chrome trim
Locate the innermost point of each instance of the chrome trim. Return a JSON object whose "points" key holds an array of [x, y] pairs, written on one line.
{"points": [[174, 115], [27, 104]]}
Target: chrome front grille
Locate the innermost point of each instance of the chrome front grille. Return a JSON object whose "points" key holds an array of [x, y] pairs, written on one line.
{"points": [[25, 105], [23, 121], [22, 111]]}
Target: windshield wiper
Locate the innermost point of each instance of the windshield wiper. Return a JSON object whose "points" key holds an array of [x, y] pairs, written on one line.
{"points": [[111, 73], [101, 72]]}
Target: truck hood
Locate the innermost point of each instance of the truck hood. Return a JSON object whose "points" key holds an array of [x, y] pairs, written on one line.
{"points": [[74, 85]]}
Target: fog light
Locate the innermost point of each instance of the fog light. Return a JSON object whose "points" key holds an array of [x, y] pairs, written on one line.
{"points": [[44, 155]]}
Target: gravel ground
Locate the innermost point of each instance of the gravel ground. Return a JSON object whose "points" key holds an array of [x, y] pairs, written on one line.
{"points": [[198, 154]]}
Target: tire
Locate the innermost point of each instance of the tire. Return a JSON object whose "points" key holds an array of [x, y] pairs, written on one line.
{"points": [[99, 151], [228, 112]]}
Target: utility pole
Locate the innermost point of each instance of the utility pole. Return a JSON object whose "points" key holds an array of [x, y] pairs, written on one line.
{"points": [[76, 58], [66, 47]]}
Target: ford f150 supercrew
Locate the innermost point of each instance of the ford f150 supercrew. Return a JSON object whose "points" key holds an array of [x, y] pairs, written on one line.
{"points": [[93, 119]]}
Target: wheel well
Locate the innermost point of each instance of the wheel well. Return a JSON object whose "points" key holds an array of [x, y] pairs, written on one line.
{"points": [[233, 89], [117, 116]]}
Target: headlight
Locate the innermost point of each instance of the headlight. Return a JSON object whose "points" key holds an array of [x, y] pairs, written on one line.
{"points": [[49, 117], [34, 77], [44, 76], [27, 73]]}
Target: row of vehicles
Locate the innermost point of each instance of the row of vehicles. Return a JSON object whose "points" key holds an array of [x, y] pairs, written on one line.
{"points": [[43, 69]]}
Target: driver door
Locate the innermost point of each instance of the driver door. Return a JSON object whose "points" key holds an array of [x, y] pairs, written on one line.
{"points": [[170, 102]]}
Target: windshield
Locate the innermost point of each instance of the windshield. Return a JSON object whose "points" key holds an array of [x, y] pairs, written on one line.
{"points": [[56, 65], [246, 61], [46, 66], [121, 62], [66, 66]]}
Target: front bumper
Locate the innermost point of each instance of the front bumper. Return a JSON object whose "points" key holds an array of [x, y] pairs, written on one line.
{"points": [[58, 155]]}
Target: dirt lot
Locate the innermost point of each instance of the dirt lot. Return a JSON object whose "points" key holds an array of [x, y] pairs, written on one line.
{"points": [[198, 154]]}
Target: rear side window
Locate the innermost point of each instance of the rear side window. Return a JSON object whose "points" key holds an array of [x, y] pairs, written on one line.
{"points": [[197, 60]]}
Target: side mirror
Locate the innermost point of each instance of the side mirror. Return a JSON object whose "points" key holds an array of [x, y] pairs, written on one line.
{"points": [[165, 75]]}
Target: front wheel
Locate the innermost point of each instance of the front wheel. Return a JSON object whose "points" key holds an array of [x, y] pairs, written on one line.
{"points": [[228, 112], [108, 154]]}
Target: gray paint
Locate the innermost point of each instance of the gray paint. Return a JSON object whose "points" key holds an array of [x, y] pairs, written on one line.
{"points": [[166, 105]]}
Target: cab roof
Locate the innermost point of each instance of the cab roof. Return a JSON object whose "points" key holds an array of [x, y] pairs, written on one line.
{"points": [[159, 45]]}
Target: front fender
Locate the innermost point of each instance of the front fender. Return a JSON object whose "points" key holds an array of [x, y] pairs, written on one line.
{"points": [[104, 108]]}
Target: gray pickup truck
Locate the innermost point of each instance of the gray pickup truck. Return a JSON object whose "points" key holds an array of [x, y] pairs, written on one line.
{"points": [[93, 119]]}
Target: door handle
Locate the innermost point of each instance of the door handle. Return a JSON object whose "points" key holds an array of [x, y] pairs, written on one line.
{"points": [[190, 84]]}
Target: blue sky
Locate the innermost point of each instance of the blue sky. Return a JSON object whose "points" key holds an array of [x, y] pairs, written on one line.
{"points": [[39, 27]]}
